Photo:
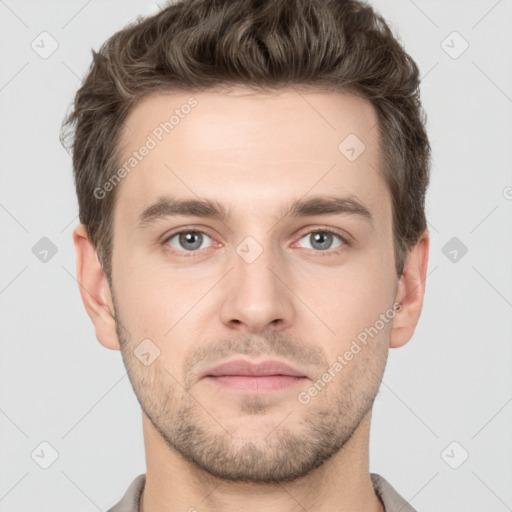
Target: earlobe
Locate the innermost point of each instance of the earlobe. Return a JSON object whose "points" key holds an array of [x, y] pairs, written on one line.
{"points": [[411, 290], [94, 289]]}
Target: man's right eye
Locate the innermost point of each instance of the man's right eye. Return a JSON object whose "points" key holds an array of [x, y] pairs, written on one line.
{"points": [[187, 240]]}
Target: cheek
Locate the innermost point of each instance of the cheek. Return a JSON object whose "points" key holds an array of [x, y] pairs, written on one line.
{"points": [[144, 301], [352, 297], [152, 307], [157, 301]]}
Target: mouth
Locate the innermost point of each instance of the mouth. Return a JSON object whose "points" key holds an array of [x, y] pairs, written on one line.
{"points": [[254, 378]]}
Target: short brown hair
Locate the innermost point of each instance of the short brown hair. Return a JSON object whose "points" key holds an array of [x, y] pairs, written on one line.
{"points": [[196, 45]]}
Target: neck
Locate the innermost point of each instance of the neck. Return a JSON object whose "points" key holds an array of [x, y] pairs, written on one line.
{"points": [[341, 483]]}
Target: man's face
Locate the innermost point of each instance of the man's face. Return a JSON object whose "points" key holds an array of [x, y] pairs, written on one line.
{"points": [[257, 284]]}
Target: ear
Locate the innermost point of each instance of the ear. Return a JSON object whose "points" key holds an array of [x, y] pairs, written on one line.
{"points": [[94, 289], [411, 290]]}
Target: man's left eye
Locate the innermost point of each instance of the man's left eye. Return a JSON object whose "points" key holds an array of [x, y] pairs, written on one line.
{"points": [[321, 240]]}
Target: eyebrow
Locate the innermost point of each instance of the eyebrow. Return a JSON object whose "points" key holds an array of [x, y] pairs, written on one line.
{"points": [[319, 205]]}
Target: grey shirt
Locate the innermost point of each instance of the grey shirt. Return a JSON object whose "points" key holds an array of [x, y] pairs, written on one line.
{"points": [[391, 500]]}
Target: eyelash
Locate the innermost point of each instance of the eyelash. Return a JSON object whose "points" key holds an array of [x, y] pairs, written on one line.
{"points": [[328, 252]]}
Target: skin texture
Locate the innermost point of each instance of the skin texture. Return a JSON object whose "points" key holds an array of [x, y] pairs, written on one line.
{"points": [[298, 301]]}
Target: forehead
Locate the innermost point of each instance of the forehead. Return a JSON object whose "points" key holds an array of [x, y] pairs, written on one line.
{"points": [[251, 151]]}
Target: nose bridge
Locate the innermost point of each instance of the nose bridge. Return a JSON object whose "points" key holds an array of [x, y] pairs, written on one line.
{"points": [[256, 296], [253, 263]]}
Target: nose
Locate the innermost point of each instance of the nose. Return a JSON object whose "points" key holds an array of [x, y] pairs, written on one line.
{"points": [[256, 296]]}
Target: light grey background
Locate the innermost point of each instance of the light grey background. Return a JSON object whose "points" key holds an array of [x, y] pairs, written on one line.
{"points": [[452, 382]]}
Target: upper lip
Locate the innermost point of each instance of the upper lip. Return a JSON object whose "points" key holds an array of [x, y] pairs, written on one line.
{"points": [[260, 369]]}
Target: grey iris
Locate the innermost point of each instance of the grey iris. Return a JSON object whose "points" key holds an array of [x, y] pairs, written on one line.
{"points": [[189, 237], [323, 239]]}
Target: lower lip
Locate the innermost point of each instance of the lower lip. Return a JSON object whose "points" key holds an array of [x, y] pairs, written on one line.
{"points": [[257, 385]]}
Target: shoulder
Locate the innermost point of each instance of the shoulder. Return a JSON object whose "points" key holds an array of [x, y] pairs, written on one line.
{"points": [[130, 501], [392, 501]]}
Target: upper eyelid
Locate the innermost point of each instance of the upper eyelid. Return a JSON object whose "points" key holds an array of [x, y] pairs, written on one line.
{"points": [[166, 237]]}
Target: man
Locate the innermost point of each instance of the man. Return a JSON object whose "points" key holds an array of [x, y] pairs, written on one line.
{"points": [[251, 179]]}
